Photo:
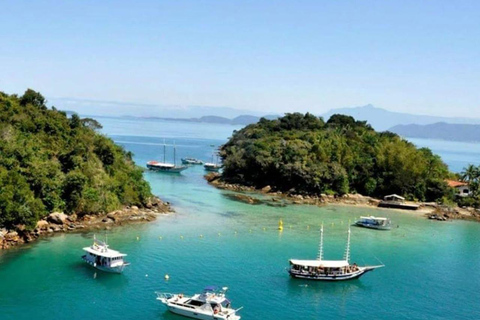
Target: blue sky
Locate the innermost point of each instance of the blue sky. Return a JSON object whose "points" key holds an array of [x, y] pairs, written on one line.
{"points": [[273, 56]]}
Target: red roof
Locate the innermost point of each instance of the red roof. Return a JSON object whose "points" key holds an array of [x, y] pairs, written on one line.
{"points": [[454, 183]]}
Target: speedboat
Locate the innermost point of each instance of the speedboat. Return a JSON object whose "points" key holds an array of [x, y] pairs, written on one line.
{"points": [[372, 222], [208, 305], [191, 161], [328, 270], [100, 256]]}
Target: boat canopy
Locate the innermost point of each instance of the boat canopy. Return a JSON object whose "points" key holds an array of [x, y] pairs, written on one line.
{"points": [[374, 218], [393, 197], [160, 164], [321, 263], [210, 288], [108, 253]]}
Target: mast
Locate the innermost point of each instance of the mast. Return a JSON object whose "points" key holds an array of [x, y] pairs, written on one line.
{"points": [[320, 246], [347, 249], [174, 154], [164, 150]]}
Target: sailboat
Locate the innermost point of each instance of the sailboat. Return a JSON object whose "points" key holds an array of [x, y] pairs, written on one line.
{"points": [[328, 270], [212, 166], [165, 166]]}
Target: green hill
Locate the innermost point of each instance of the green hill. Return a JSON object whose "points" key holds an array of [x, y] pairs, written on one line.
{"points": [[303, 154], [50, 162]]}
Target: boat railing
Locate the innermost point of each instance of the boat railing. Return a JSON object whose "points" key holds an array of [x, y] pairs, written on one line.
{"points": [[164, 295]]}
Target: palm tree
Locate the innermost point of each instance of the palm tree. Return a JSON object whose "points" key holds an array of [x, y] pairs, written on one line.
{"points": [[470, 174]]}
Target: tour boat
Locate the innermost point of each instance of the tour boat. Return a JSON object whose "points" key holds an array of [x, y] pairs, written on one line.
{"points": [[191, 161], [210, 304], [372, 222], [212, 166], [165, 166], [328, 270], [100, 256]]}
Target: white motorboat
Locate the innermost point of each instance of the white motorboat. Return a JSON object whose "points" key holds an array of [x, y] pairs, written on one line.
{"points": [[208, 305], [328, 270], [100, 256], [372, 222], [191, 161]]}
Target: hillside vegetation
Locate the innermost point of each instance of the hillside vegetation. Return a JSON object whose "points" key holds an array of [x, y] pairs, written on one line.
{"points": [[303, 154], [50, 162]]}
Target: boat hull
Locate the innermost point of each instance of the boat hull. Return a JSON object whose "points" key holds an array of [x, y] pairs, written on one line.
{"points": [[166, 170], [117, 269], [323, 277], [371, 226]]}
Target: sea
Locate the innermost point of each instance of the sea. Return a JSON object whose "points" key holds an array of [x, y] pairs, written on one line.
{"points": [[432, 269]]}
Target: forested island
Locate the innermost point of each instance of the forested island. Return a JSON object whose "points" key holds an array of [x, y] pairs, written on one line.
{"points": [[50, 162], [303, 154]]}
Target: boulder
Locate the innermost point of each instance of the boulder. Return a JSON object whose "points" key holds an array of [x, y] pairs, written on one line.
{"points": [[57, 217], [73, 217], [42, 225], [12, 236], [134, 208], [266, 189]]}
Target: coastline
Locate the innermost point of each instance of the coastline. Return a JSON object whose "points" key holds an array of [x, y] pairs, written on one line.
{"points": [[58, 222], [275, 198]]}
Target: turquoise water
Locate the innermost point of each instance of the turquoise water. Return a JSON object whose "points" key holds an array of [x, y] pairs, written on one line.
{"points": [[432, 269]]}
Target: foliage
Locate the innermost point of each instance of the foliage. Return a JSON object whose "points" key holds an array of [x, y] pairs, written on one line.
{"points": [[50, 162], [304, 154]]}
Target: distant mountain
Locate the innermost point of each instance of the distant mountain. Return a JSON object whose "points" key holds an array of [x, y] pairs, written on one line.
{"points": [[381, 119], [119, 109], [240, 120], [441, 130]]}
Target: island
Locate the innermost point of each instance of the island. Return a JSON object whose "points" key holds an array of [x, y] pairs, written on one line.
{"points": [[58, 173], [303, 156]]}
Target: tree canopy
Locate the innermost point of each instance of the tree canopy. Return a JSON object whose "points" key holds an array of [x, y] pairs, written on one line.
{"points": [[305, 154], [51, 162]]}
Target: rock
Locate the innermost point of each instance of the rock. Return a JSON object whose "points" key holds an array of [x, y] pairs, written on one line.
{"points": [[134, 208], [107, 220], [111, 215], [266, 189], [12, 236], [149, 205], [57, 217], [20, 227], [42, 225], [73, 217]]}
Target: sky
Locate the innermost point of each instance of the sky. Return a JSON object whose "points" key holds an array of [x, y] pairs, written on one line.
{"points": [[419, 57]]}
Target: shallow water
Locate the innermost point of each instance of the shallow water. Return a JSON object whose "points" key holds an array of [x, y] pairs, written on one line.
{"points": [[432, 268]]}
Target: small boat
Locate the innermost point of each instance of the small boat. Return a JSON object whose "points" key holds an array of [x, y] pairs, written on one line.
{"points": [[212, 166], [328, 270], [165, 166], [100, 256], [210, 304], [191, 161], [372, 222]]}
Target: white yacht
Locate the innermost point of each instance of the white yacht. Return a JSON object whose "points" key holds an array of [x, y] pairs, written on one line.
{"points": [[328, 270], [210, 304], [372, 222], [103, 258]]}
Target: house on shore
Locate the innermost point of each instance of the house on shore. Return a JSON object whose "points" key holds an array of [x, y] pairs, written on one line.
{"points": [[461, 188]]}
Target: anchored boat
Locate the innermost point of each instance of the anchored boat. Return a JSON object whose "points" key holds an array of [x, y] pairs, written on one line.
{"points": [[328, 270], [165, 166], [372, 222], [210, 304], [191, 161], [100, 256]]}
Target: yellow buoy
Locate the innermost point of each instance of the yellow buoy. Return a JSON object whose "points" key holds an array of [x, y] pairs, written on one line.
{"points": [[160, 238], [264, 228], [138, 238], [201, 236], [280, 225], [181, 237], [167, 277]]}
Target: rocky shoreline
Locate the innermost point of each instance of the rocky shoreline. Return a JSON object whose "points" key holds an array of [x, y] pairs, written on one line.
{"points": [[57, 222], [275, 198]]}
